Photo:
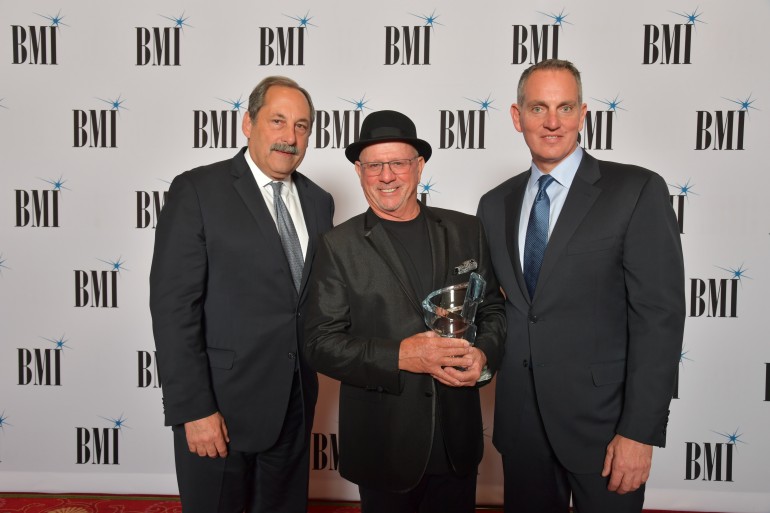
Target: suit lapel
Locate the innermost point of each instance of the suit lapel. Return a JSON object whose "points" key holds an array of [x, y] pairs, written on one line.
{"points": [[309, 207], [376, 235], [512, 218], [246, 186], [439, 249], [582, 195]]}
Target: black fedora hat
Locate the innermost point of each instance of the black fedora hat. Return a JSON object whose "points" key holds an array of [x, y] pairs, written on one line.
{"points": [[384, 126]]}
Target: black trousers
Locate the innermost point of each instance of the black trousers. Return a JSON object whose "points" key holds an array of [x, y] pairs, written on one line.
{"points": [[275, 480], [442, 493], [536, 482]]}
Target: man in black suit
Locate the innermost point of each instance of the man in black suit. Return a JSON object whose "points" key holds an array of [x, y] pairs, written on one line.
{"points": [[595, 322], [410, 422], [226, 307]]}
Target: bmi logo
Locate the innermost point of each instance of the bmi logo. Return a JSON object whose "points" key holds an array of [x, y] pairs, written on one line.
{"points": [[712, 461], [39, 208], [284, 46], [42, 366], [326, 452], [464, 129], [338, 128], [100, 445], [679, 200], [597, 132], [682, 358], [723, 129], [410, 45], [147, 370], [535, 43], [425, 190], [148, 207], [97, 128], [37, 44], [160, 46], [670, 43], [217, 128], [716, 297], [98, 288]]}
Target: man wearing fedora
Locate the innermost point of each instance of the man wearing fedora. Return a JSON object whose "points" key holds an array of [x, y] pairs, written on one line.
{"points": [[409, 419]]}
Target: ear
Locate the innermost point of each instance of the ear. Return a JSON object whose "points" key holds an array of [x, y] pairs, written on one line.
{"points": [[516, 116], [583, 110], [358, 169], [420, 166], [246, 125]]}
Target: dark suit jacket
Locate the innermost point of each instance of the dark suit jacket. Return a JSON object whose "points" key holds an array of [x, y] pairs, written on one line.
{"points": [[603, 334], [361, 306], [226, 315]]}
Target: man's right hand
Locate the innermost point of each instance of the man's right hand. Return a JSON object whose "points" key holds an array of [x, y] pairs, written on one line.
{"points": [[428, 353], [207, 436]]}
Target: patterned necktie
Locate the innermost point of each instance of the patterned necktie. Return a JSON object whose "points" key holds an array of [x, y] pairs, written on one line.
{"points": [[289, 239], [537, 234]]}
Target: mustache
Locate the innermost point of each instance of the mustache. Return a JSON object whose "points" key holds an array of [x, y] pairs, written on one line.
{"points": [[286, 148]]}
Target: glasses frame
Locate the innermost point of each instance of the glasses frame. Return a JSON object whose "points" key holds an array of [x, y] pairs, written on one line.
{"points": [[389, 163]]}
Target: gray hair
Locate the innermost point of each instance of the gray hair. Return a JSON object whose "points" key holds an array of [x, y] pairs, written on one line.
{"points": [[257, 96], [549, 64]]}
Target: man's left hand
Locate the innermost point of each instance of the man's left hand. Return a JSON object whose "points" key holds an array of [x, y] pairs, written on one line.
{"points": [[627, 463], [472, 373]]}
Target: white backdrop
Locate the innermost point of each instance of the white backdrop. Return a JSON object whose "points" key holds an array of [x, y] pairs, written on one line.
{"points": [[103, 103]]}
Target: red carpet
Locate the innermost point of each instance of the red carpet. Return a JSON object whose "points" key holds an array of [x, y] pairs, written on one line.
{"points": [[82, 503]]}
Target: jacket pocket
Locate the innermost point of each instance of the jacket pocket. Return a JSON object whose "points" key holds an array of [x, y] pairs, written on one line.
{"points": [[220, 358], [608, 373]]}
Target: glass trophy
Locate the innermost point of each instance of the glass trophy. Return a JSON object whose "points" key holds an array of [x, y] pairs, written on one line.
{"points": [[450, 311]]}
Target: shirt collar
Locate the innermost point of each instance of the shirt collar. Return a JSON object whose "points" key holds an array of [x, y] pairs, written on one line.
{"points": [[563, 173]]}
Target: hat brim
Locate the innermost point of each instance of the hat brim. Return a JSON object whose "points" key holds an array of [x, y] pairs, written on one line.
{"points": [[353, 151]]}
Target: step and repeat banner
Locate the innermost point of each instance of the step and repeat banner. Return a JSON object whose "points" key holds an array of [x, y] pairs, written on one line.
{"points": [[103, 103]]}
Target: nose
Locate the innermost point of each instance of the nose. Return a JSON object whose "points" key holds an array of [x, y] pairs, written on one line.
{"points": [[387, 175], [289, 134], [552, 120]]}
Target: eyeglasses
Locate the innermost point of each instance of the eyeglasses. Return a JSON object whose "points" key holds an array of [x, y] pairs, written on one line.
{"points": [[398, 167]]}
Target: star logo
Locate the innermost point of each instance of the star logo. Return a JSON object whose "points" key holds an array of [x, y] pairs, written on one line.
{"points": [[558, 19], [737, 274], [56, 185], [235, 104], [117, 265], [55, 20], [118, 423], [612, 105], [430, 20], [484, 104], [115, 104], [2, 264], [692, 18], [732, 438], [359, 104], [684, 190], [428, 187], [744, 105], [59, 343], [303, 21], [3, 421], [683, 357], [179, 21]]}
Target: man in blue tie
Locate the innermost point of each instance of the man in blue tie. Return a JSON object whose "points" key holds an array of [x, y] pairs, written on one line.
{"points": [[588, 254]]}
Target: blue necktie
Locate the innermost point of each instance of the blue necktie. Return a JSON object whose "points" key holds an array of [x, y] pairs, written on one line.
{"points": [[289, 238], [537, 234]]}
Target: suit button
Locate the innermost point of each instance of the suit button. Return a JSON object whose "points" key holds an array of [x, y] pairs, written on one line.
{"points": [[428, 394], [292, 355], [525, 363], [380, 389], [533, 319]]}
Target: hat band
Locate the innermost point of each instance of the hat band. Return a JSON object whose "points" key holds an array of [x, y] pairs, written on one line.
{"points": [[388, 131]]}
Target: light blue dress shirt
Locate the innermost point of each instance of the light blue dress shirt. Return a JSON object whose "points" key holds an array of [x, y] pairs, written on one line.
{"points": [[563, 175]]}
